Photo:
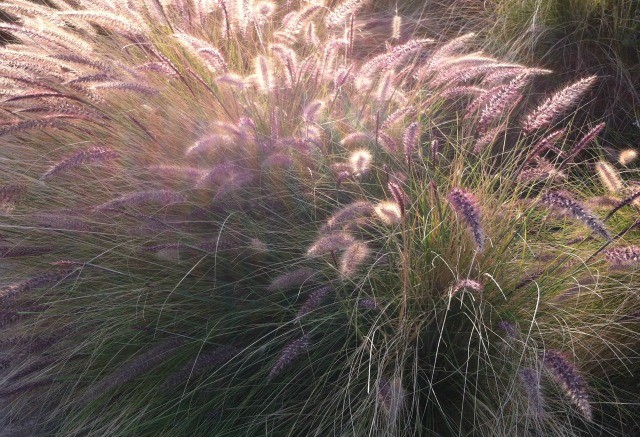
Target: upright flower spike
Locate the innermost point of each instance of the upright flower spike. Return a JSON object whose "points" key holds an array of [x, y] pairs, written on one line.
{"points": [[530, 381], [396, 25], [352, 258], [609, 177], [410, 141], [360, 162], [466, 205], [399, 196], [568, 377]]}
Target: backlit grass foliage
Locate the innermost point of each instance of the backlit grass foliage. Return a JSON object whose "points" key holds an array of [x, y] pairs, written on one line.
{"points": [[578, 36], [228, 218]]}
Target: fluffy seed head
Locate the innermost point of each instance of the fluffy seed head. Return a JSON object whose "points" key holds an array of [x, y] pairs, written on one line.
{"points": [[215, 358], [360, 162], [163, 197], [312, 110], [467, 284], [11, 193], [609, 177], [396, 25], [399, 196], [135, 367], [508, 328], [356, 138], [42, 280], [549, 111], [353, 257], [391, 396], [292, 279], [589, 137], [627, 156], [389, 212], [347, 214], [330, 243], [530, 381], [81, 157], [340, 12], [367, 304], [410, 140], [313, 301], [542, 171]]}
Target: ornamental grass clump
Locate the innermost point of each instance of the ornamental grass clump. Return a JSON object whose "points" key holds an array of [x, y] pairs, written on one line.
{"points": [[227, 217]]}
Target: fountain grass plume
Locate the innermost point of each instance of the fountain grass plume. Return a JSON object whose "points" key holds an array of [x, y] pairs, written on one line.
{"points": [[568, 377], [232, 217], [564, 201], [466, 204], [556, 106]]}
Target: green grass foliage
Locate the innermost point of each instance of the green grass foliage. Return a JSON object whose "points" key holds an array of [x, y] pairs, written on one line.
{"points": [[245, 218]]}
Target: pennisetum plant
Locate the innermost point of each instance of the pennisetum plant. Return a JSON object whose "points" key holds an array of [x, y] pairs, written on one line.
{"points": [[222, 217]]}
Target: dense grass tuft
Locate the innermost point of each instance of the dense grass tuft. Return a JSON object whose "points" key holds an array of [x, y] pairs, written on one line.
{"points": [[223, 218]]}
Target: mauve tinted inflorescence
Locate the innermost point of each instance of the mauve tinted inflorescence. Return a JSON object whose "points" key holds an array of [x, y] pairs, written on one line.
{"points": [[568, 377], [292, 279], [41, 280], [467, 284], [399, 196], [133, 368], [619, 257], [563, 201], [289, 353], [530, 381], [391, 396], [353, 257], [81, 157], [314, 300], [549, 111], [349, 213], [330, 243], [466, 205]]}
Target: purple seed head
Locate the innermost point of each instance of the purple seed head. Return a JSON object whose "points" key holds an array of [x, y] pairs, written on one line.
{"points": [[621, 257], [292, 279], [563, 201], [289, 353], [466, 205], [568, 377], [530, 381], [313, 301]]}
